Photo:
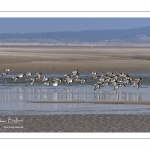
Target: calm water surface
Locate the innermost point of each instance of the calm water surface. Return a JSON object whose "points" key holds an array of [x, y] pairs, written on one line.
{"points": [[22, 98]]}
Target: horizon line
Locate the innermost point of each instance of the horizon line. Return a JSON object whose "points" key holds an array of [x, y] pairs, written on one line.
{"points": [[73, 31]]}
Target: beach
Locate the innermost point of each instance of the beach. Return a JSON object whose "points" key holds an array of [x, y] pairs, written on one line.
{"points": [[64, 59], [78, 123]]}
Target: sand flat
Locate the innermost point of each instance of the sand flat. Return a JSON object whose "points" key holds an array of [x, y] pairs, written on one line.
{"points": [[65, 58], [78, 123]]}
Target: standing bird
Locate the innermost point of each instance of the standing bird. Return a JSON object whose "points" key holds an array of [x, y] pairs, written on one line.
{"points": [[38, 75], [97, 85], [32, 79], [59, 80], [94, 74], [76, 73], [116, 86], [138, 84], [70, 80]]}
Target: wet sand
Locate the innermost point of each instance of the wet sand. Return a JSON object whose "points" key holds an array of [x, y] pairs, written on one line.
{"points": [[78, 123], [95, 102], [59, 59]]}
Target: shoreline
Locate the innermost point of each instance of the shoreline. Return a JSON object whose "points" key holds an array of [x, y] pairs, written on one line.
{"points": [[95, 102]]}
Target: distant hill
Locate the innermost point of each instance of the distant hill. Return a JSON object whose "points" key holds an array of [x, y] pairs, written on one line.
{"points": [[135, 35]]}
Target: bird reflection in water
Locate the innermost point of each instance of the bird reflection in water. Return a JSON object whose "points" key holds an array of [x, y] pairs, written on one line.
{"points": [[66, 94]]}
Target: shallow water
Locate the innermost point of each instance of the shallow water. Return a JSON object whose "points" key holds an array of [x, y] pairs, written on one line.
{"points": [[21, 97]]}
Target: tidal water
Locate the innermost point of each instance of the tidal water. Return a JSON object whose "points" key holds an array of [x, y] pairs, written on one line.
{"points": [[21, 98]]}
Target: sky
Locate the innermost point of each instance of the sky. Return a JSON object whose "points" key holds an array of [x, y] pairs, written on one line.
{"points": [[35, 25]]}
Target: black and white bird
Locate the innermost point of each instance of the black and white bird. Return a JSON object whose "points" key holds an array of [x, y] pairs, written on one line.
{"points": [[94, 73], [97, 86], [15, 78], [55, 83], [32, 80], [38, 75], [7, 70], [116, 86], [28, 74], [76, 73], [47, 83], [45, 78], [4, 74]]}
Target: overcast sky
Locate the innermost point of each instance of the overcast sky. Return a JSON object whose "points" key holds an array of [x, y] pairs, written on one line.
{"points": [[25, 25]]}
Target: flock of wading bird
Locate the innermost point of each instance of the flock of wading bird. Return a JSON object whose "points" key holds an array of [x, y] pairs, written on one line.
{"points": [[116, 80]]}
